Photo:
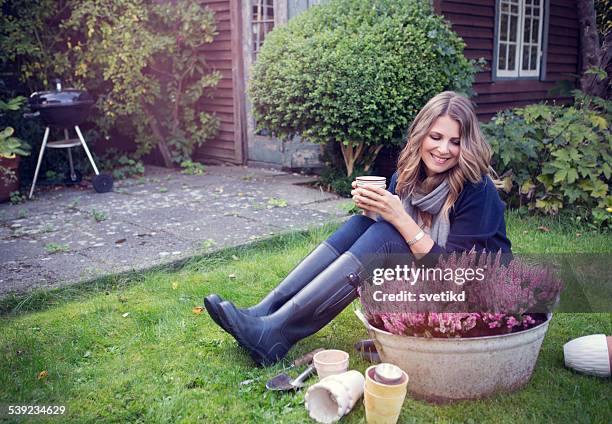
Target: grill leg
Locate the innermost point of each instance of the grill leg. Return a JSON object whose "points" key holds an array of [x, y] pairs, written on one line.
{"points": [[72, 173], [76, 127], [40, 156]]}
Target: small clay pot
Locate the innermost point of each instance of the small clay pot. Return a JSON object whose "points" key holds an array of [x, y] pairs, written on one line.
{"points": [[388, 374], [330, 362], [382, 389], [382, 409]]}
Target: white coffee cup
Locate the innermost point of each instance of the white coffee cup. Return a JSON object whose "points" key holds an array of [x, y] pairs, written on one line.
{"points": [[372, 181]]}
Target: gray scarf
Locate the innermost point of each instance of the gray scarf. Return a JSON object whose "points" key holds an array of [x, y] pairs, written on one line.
{"points": [[431, 203]]}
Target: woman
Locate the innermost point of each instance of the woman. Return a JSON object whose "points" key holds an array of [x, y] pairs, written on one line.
{"points": [[439, 200]]}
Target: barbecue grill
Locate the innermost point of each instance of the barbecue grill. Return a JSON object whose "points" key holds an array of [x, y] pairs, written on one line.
{"points": [[65, 109]]}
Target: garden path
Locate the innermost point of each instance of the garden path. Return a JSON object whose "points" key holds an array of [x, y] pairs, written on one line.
{"points": [[75, 234]]}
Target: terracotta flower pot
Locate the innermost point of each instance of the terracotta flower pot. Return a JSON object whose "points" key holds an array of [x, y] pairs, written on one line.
{"points": [[7, 188], [446, 370], [383, 402]]}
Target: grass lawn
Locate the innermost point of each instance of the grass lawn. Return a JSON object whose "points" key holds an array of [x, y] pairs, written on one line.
{"points": [[130, 349]]}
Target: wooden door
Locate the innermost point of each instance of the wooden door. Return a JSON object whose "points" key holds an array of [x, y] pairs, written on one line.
{"points": [[260, 17]]}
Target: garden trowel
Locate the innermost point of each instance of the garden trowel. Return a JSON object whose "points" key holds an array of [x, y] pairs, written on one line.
{"points": [[283, 382]]}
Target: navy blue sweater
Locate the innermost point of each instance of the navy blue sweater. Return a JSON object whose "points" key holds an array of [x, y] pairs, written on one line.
{"points": [[476, 219]]}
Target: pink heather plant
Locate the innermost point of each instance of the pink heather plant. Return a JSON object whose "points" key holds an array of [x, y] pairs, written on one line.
{"points": [[511, 297]]}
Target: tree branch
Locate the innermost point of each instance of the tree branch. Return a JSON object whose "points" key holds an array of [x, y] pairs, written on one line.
{"points": [[594, 55], [161, 141]]}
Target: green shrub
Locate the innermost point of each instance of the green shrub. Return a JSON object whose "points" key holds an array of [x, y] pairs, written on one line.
{"points": [[31, 41], [333, 176], [32, 55], [334, 179], [10, 145], [143, 62], [355, 72], [120, 164], [559, 157], [190, 167], [146, 60]]}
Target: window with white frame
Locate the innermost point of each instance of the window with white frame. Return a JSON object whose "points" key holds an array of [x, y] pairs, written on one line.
{"points": [[519, 38]]}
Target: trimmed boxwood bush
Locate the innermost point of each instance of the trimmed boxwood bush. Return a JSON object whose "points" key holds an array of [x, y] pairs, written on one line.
{"points": [[356, 72], [559, 158]]}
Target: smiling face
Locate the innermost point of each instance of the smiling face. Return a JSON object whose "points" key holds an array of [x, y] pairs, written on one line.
{"points": [[440, 147]]}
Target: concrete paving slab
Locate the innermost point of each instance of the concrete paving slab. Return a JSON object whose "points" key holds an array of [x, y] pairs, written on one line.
{"points": [[20, 250], [241, 171], [142, 252], [296, 179], [177, 181], [49, 272], [262, 192], [34, 207], [288, 218], [335, 207], [214, 229]]}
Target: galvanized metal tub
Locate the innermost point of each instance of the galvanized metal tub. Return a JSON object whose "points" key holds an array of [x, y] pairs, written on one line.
{"points": [[447, 370]]}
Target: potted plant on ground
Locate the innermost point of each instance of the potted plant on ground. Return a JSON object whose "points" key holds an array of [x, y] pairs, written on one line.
{"points": [[484, 344], [11, 148]]}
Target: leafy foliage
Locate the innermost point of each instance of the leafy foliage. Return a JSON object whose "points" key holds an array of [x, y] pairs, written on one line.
{"points": [[355, 72], [9, 144], [190, 167], [603, 9], [98, 215], [15, 197], [146, 61], [31, 41], [559, 157], [29, 131], [57, 247], [121, 165], [333, 179], [142, 60]]}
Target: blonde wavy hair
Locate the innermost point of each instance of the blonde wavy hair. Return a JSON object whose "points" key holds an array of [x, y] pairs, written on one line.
{"points": [[474, 153]]}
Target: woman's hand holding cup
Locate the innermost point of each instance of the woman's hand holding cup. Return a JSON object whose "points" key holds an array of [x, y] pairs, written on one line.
{"points": [[370, 195], [366, 212], [366, 181]]}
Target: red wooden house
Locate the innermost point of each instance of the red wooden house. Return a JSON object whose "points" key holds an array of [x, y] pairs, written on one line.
{"points": [[529, 46]]}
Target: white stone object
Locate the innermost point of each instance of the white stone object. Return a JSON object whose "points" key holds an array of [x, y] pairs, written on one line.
{"points": [[589, 355]]}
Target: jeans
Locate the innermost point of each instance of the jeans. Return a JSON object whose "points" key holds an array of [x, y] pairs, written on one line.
{"points": [[373, 243]]}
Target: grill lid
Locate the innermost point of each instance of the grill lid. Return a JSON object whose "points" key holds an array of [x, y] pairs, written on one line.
{"points": [[66, 97]]}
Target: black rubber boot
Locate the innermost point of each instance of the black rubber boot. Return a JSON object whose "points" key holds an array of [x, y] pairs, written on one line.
{"points": [[211, 303], [316, 261], [269, 338]]}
